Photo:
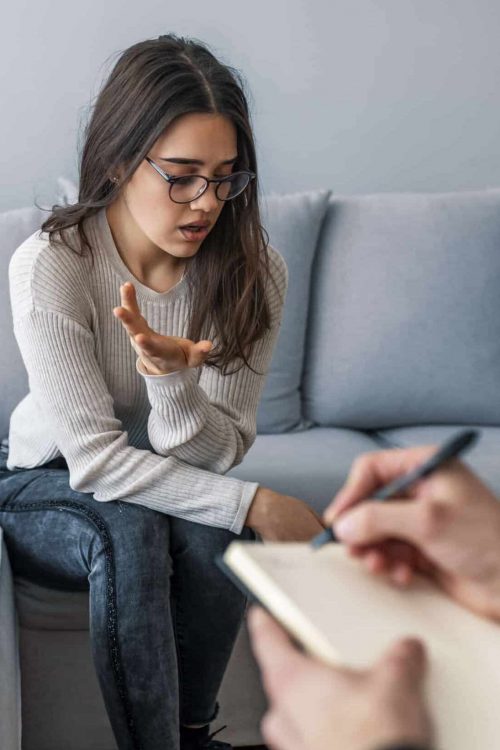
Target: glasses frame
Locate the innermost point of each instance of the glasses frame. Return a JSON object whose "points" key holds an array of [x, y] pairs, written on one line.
{"points": [[172, 179]]}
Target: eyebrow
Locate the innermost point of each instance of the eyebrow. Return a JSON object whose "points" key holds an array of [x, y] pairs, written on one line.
{"points": [[180, 160]]}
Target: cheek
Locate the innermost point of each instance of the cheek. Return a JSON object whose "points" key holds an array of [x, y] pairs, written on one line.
{"points": [[151, 206]]}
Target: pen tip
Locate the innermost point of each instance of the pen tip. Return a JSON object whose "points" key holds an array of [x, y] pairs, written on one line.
{"points": [[322, 538]]}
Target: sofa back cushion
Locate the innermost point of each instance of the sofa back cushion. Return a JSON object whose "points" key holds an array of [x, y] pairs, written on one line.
{"points": [[293, 222], [404, 324]]}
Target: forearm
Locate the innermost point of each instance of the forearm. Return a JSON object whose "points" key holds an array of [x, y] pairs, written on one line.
{"points": [[184, 422]]}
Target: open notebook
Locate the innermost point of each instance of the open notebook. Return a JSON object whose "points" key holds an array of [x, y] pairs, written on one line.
{"points": [[342, 614]]}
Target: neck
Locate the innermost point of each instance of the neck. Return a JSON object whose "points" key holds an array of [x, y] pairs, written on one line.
{"points": [[145, 260]]}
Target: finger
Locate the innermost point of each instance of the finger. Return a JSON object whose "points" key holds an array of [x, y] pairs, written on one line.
{"points": [[401, 573], [277, 731], [404, 662], [374, 561], [198, 353], [395, 551], [371, 471], [145, 341], [276, 656], [372, 522], [205, 345], [129, 298], [126, 319], [195, 354], [132, 322], [377, 563], [356, 550]]}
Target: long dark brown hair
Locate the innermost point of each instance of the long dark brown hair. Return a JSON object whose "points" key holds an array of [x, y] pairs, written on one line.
{"points": [[152, 83]]}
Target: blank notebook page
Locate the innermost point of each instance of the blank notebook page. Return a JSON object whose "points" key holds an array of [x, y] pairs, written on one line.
{"points": [[343, 614]]}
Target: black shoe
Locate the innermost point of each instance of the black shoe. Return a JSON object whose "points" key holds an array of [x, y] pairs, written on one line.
{"points": [[198, 738]]}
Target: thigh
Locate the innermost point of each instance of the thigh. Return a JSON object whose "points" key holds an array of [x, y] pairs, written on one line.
{"points": [[194, 548], [54, 533], [202, 541]]}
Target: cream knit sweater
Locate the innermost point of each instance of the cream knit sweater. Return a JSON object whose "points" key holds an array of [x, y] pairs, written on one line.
{"points": [[162, 441]]}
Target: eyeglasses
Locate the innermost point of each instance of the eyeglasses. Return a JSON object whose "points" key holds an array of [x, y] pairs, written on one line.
{"points": [[190, 187]]}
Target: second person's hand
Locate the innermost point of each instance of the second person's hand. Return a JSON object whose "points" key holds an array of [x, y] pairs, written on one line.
{"points": [[159, 354], [314, 706], [446, 526]]}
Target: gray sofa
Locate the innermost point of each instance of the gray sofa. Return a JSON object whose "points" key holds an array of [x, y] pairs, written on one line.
{"points": [[390, 337]]}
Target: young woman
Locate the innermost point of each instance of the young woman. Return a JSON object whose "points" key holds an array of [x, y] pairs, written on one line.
{"points": [[146, 315]]}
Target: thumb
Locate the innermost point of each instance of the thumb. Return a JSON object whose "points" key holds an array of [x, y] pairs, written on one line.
{"points": [[205, 345], [276, 655], [374, 521], [404, 662], [197, 353]]}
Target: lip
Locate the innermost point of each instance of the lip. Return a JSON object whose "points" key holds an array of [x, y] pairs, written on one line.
{"points": [[192, 236], [203, 224]]}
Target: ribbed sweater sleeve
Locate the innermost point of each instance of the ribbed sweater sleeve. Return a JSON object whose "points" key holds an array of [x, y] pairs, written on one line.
{"points": [[212, 423]]}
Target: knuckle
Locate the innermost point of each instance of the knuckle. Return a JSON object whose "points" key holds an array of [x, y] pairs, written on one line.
{"points": [[434, 517]]}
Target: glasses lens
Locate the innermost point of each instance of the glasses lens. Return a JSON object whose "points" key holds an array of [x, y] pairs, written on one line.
{"points": [[186, 189], [233, 186]]}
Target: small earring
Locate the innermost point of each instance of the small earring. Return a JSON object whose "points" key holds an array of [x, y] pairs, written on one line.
{"points": [[114, 179]]}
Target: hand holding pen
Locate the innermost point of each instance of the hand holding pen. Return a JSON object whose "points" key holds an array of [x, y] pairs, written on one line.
{"points": [[445, 526], [450, 449]]}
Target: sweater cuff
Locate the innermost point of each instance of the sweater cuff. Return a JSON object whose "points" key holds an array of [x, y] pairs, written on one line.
{"points": [[169, 378], [247, 496]]}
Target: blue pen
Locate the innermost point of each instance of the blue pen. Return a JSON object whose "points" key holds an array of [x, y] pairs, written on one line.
{"points": [[451, 448]]}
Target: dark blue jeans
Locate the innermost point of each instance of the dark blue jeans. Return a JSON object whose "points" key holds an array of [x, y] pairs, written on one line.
{"points": [[163, 617]]}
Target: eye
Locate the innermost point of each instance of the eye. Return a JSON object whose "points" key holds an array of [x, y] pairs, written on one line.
{"points": [[186, 179]]}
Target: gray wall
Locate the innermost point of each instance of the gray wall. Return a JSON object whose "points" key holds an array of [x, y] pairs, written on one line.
{"points": [[356, 95]]}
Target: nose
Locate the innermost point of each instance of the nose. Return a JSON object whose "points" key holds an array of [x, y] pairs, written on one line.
{"points": [[207, 201]]}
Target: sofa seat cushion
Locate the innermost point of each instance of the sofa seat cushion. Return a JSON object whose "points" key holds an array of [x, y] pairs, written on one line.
{"points": [[41, 608], [311, 465], [483, 458]]}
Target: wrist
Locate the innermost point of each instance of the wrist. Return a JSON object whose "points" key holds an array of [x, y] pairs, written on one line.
{"points": [[259, 509], [151, 370]]}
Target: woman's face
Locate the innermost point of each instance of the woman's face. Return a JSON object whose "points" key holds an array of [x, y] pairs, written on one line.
{"points": [[207, 139]]}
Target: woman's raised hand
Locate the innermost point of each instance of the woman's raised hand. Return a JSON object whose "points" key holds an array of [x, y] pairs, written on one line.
{"points": [[159, 354]]}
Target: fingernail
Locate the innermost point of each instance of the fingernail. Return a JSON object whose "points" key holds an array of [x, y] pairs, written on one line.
{"points": [[345, 528]]}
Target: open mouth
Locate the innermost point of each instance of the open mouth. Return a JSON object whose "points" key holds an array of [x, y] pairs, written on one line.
{"points": [[193, 232]]}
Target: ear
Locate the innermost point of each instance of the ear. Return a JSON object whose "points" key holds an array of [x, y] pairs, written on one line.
{"points": [[115, 175]]}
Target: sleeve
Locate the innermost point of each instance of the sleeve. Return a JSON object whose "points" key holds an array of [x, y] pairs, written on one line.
{"points": [[69, 387], [213, 423]]}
